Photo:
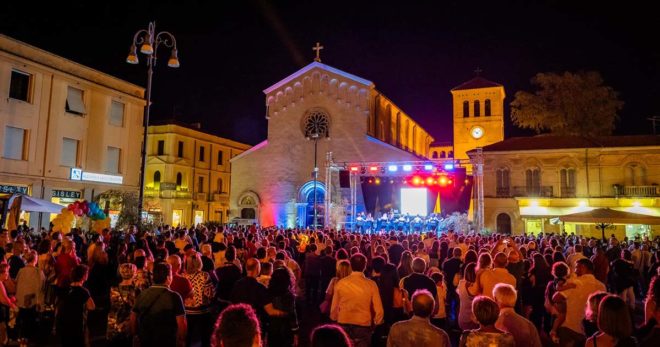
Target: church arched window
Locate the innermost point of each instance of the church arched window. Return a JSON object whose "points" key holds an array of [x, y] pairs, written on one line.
{"points": [[477, 108], [450, 154], [157, 179], [434, 155], [179, 179], [466, 109], [316, 124], [443, 154], [487, 107]]}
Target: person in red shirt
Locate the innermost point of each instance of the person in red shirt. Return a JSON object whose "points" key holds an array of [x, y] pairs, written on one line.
{"points": [[65, 262], [179, 283]]}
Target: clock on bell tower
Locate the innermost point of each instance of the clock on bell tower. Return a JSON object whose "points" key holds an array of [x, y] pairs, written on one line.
{"points": [[478, 115]]}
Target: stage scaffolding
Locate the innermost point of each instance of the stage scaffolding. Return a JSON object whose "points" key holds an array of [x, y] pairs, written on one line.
{"points": [[332, 169]]}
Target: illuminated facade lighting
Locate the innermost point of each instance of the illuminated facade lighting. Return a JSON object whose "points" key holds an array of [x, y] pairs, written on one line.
{"points": [[392, 168], [428, 167], [407, 168]]}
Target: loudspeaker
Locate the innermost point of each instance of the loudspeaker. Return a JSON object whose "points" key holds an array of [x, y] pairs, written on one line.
{"points": [[344, 179]]}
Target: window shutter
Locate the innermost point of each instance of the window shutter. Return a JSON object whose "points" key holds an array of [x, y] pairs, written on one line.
{"points": [[74, 101], [69, 152], [112, 164], [117, 114], [13, 144]]}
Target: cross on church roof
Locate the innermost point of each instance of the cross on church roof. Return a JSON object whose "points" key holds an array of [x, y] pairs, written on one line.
{"points": [[318, 49], [478, 71]]}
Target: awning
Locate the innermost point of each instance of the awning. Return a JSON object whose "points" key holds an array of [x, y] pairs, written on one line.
{"points": [[609, 216], [30, 204]]}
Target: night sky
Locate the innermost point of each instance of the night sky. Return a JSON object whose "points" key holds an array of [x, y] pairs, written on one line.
{"points": [[414, 52]]}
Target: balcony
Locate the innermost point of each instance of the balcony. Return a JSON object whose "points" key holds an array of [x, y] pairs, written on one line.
{"points": [[220, 196], [503, 192], [567, 192], [167, 194], [201, 196], [636, 191], [532, 192]]}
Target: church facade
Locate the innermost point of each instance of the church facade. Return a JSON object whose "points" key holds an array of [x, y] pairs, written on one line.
{"points": [[316, 111]]}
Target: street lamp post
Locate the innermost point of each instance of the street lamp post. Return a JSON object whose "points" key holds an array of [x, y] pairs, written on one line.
{"points": [[149, 41], [315, 137]]}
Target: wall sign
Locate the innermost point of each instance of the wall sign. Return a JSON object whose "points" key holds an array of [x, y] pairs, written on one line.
{"points": [[167, 186], [9, 189], [68, 194], [79, 175]]}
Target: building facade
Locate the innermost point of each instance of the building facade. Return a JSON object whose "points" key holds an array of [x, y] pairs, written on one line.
{"points": [[188, 174], [318, 111], [68, 132], [530, 181]]}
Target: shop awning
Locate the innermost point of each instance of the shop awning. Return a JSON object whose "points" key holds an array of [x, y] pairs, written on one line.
{"points": [[609, 216], [30, 204]]}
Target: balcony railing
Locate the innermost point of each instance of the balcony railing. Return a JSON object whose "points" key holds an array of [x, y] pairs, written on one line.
{"points": [[503, 192], [220, 196], [201, 196], [167, 194], [540, 192], [567, 192], [637, 191]]}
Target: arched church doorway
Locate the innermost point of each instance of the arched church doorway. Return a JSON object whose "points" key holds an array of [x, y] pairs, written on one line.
{"points": [[248, 213], [248, 206], [503, 223], [306, 205]]}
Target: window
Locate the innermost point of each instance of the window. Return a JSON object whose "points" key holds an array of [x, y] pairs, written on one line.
{"points": [[317, 124], [502, 184], [157, 179], [117, 114], [635, 174], [74, 102], [533, 182], [219, 157], [477, 108], [443, 154], [69, 155], [567, 180], [19, 86], [179, 179], [161, 147], [503, 223], [434, 155], [15, 143], [180, 151], [466, 109], [450, 154], [220, 185], [200, 184], [112, 161], [201, 153], [487, 107]]}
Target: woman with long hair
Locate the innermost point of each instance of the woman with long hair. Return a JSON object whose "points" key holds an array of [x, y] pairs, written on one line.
{"points": [[65, 262], [283, 329], [122, 299], [405, 264], [467, 290], [539, 276], [652, 298]]}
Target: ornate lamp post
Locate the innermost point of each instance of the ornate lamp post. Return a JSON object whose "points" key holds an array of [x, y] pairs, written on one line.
{"points": [[149, 41]]}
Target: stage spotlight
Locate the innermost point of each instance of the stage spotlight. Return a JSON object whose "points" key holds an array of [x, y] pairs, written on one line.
{"points": [[467, 181], [373, 168], [377, 181], [416, 180], [429, 181], [428, 167], [450, 181], [392, 168], [370, 181], [443, 181], [449, 166], [354, 169], [391, 181], [407, 168]]}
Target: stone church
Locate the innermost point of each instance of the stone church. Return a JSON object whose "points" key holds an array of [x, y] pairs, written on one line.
{"points": [[316, 110]]}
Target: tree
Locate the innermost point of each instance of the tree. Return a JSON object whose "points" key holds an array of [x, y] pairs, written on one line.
{"points": [[124, 201], [567, 104]]}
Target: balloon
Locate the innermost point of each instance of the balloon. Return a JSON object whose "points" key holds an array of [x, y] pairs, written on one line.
{"points": [[63, 211], [78, 212]]}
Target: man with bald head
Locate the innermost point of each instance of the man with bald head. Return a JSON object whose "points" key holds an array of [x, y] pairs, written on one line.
{"points": [[418, 331], [179, 283], [498, 274]]}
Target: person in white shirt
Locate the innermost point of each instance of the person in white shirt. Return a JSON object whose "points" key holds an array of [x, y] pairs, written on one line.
{"points": [[356, 303], [570, 304], [575, 256]]}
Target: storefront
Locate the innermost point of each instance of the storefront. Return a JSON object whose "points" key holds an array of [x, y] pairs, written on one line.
{"points": [[177, 217], [64, 197], [6, 191]]}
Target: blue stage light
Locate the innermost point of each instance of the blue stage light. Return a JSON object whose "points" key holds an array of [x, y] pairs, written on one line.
{"points": [[449, 166], [407, 168], [428, 167], [392, 168]]}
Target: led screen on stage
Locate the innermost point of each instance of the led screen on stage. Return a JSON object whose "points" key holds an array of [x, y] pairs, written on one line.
{"points": [[413, 201]]}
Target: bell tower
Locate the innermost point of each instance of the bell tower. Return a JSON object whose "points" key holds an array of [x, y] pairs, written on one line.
{"points": [[478, 115]]}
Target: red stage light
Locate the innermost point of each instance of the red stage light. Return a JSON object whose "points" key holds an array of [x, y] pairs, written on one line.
{"points": [[373, 168], [354, 168], [443, 181], [450, 182], [377, 180], [370, 181], [416, 180], [429, 181]]}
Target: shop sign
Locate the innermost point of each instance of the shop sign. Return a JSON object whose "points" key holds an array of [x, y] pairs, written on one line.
{"points": [[167, 186], [79, 175], [8, 189], [67, 194]]}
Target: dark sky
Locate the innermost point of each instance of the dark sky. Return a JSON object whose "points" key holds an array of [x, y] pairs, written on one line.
{"points": [[414, 52]]}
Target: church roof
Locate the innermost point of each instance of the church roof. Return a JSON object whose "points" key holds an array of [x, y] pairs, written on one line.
{"points": [[545, 142], [322, 67], [476, 83]]}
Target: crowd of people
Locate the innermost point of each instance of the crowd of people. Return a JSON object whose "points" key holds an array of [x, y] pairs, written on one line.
{"points": [[251, 286]]}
